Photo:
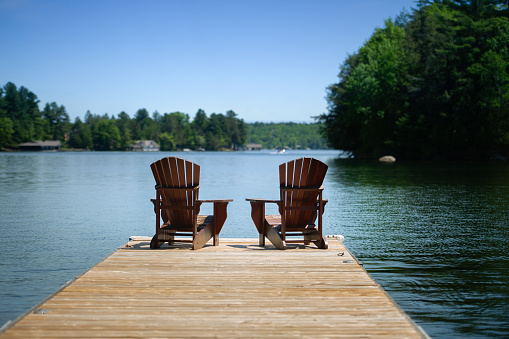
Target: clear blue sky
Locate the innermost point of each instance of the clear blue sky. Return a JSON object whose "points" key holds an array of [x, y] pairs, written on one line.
{"points": [[268, 61]]}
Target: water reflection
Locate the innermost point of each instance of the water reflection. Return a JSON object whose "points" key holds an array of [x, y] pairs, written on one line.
{"points": [[434, 236]]}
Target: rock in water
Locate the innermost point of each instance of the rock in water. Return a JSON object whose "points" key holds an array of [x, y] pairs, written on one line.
{"points": [[387, 158]]}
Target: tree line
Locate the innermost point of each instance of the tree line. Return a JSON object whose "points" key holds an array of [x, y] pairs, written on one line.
{"points": [[21, 120], [431, 84], [289, 134]]}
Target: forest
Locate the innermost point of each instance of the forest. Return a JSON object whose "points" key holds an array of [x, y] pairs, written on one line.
{"points": [[21, 120], [290, 135], [430, 84]]}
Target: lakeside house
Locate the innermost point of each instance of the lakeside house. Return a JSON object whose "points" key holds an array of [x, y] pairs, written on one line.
{"points": [[38, 145], [144, 146], [253, 147]]}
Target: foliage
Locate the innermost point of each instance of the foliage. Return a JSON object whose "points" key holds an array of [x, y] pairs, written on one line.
{"points": [[432, 84], [56, 121], [21, 121], [20, 118], [173, 131], [292, 135]]}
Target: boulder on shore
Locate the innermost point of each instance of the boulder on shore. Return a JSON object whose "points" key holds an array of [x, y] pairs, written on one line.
{"points": [[387, 158]]}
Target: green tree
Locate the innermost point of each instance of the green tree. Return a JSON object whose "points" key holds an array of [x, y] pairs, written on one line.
{"points": [[21, 107], [293, 135], [432, 85], [138, 122], [123, 123], [57, 121], [166, 142], [176, 124], [370, 98], [199, 126], [216, 137], [21, 120], [200, 122], [235, 130], [80, 135], [6, 132], [106, 136]]}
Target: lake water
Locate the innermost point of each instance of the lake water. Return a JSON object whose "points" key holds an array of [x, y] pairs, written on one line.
{"points": [[433, 235]]}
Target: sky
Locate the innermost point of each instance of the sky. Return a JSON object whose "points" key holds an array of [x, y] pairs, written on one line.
{"points": [[267, 60]]}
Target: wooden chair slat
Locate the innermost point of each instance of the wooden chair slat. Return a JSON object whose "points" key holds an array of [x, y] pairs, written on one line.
{"points": [[309, 197], [174, 182], [293, 197], [282, 175], [196, 178], [189, 182], [164, 173]]}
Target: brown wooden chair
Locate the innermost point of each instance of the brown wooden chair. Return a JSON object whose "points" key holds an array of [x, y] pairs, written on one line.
{"points": [[300, 205], [176, 203]]}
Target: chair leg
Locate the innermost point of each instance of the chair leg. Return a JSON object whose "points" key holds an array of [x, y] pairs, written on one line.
{"points": [[203, 236], [325, 244], [322, 243], [155, 243], [171, 241], [274, 237], [315, 238], [261, 240]]}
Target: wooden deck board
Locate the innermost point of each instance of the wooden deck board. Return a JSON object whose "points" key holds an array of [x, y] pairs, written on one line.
{"points": [[237, 289]]}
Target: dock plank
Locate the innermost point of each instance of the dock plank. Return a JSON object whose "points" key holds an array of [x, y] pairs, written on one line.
{"points": [[237, 289]]}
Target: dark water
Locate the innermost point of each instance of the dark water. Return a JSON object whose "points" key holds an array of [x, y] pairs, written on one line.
{"points": [[434, 235]]}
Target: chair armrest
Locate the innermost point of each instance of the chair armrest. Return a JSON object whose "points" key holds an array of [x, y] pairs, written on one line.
{"points": [[215, 201], [258, 212], [220, 214], [220, 205], [262, 201]]}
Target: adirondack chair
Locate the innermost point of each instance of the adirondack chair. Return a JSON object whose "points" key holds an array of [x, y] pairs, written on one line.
{"points": [[300, 204], [176, 203]]}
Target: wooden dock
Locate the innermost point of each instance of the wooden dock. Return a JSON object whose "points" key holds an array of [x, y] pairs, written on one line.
{"points": [[235, 290]]}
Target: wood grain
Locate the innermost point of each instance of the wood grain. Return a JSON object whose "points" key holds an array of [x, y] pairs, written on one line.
{"points": [[236, 289]]}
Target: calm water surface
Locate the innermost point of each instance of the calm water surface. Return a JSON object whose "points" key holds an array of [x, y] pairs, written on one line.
{"points": [[433, 235]]}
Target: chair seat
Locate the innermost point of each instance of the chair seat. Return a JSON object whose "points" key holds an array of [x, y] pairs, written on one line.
{"points": [[275, 221]]}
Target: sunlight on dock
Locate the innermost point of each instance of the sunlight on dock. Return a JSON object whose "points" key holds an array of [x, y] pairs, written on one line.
{"points": [[237, 289]]}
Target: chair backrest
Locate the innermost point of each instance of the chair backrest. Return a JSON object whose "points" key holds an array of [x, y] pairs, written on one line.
{"points": [[177, 180], [306, 173]]}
